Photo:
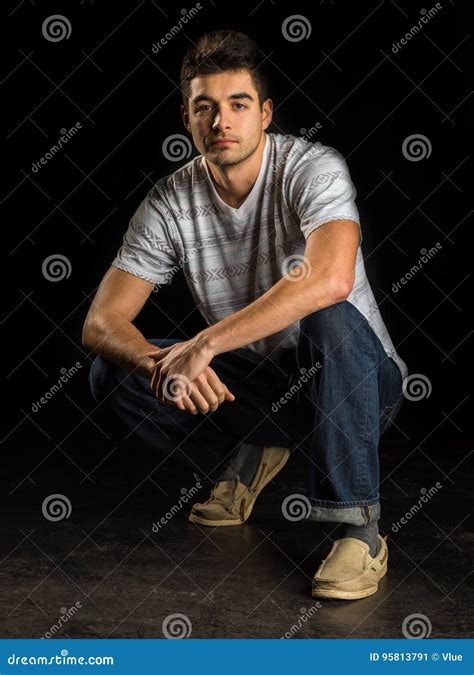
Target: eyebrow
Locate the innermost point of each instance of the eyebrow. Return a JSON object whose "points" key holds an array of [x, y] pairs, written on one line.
{"points": [[239, 95]]}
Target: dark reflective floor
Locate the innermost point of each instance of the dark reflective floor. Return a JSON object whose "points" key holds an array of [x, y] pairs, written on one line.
{"points": [[103, 572]]}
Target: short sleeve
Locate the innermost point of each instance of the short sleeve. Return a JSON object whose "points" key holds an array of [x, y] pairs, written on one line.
{"points": [[147, 250], [323, 191]]}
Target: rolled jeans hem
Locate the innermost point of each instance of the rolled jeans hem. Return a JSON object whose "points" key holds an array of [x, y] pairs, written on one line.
{"points": [[353, 515]]}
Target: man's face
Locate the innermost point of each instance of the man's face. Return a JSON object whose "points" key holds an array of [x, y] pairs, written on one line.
{"points": [[225, 106]]}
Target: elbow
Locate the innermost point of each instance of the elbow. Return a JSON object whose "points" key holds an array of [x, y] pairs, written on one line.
{"points": [[89, 332], [86, 335], [340, 288]]}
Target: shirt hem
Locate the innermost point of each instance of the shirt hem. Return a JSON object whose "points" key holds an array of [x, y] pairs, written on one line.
{"points": [[140, 275]]}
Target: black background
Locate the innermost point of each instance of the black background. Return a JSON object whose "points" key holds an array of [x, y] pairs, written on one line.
{"points": [[344, 76]]}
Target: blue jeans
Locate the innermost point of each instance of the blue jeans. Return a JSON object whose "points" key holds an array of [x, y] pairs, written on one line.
{"points": [[331, 399]]}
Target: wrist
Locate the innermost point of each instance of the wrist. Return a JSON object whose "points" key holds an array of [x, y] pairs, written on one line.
{"points": [[208, 343], [146, 364]]}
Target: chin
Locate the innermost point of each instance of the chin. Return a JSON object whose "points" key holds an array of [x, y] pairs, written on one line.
{"points": [[229, 156], [219, 156]]}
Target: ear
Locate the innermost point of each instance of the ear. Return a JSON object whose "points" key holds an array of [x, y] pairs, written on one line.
{"points": [[267, 113], [185, 118]]}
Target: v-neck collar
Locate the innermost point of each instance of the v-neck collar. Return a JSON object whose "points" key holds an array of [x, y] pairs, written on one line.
{"points": [[250, 198]]}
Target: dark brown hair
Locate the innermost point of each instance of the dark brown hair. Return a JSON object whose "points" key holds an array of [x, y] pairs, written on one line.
{"points": [[224, 50]]}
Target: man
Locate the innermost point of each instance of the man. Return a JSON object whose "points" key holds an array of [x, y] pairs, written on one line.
{"points": [[296, 354]]}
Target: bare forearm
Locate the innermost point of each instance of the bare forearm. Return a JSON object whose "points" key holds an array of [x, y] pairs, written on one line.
{"points": [[119, 341], [282, 305]]}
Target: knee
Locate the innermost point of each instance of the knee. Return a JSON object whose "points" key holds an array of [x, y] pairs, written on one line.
{"points": [[328, 324], [101, 377], [340, 330]]}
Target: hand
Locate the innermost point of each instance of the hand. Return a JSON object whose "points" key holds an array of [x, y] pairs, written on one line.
{"points": [[183, 377], [204, 394]]}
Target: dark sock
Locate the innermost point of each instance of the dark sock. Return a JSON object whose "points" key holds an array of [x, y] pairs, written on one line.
{"points": [[367, 533], [243, 463]]}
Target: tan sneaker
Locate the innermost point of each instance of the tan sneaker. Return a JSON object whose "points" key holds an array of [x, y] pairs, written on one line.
{"points": [[231, 502], [349, 572]]}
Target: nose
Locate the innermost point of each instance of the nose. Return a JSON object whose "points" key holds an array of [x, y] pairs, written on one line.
{"points": [[220, 120]]}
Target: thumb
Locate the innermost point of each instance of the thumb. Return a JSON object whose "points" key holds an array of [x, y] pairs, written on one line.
{"points": [[158, 355], [229, 396]]}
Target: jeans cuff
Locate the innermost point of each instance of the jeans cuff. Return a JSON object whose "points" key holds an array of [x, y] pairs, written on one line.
{"points": [[353, 515]]}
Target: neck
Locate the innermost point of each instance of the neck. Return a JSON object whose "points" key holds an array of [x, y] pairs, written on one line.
{"points": [[234, 182]]}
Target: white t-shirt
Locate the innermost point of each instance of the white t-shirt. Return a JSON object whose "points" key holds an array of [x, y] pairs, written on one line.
{"points": [[231, 256]]}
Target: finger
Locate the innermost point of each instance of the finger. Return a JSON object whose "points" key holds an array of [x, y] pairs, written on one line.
{"points": [[214, 382], [199, 400], [188, 405], [157, 355], [208, 393], [158, 390], [228, 394], [219, 386], [173, 387], [163, 387], [179, 402], [154, 379]]}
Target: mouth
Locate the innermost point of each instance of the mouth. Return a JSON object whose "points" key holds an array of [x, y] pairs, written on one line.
{"points": [[223, 143]]}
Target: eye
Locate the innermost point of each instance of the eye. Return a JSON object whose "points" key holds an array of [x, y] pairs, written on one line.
{"points": [[203, 108], [241, 105]]}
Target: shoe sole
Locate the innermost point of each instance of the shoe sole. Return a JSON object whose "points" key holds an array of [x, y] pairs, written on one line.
{"points": [[239, 521], [333, 593]]}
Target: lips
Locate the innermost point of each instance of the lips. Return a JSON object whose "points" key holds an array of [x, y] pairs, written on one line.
{"points": [[223, 141]]}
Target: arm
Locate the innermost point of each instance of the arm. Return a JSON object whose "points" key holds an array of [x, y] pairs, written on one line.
{"points": [[145, 259], [325, 277], [322, 196], [108, 328]]}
